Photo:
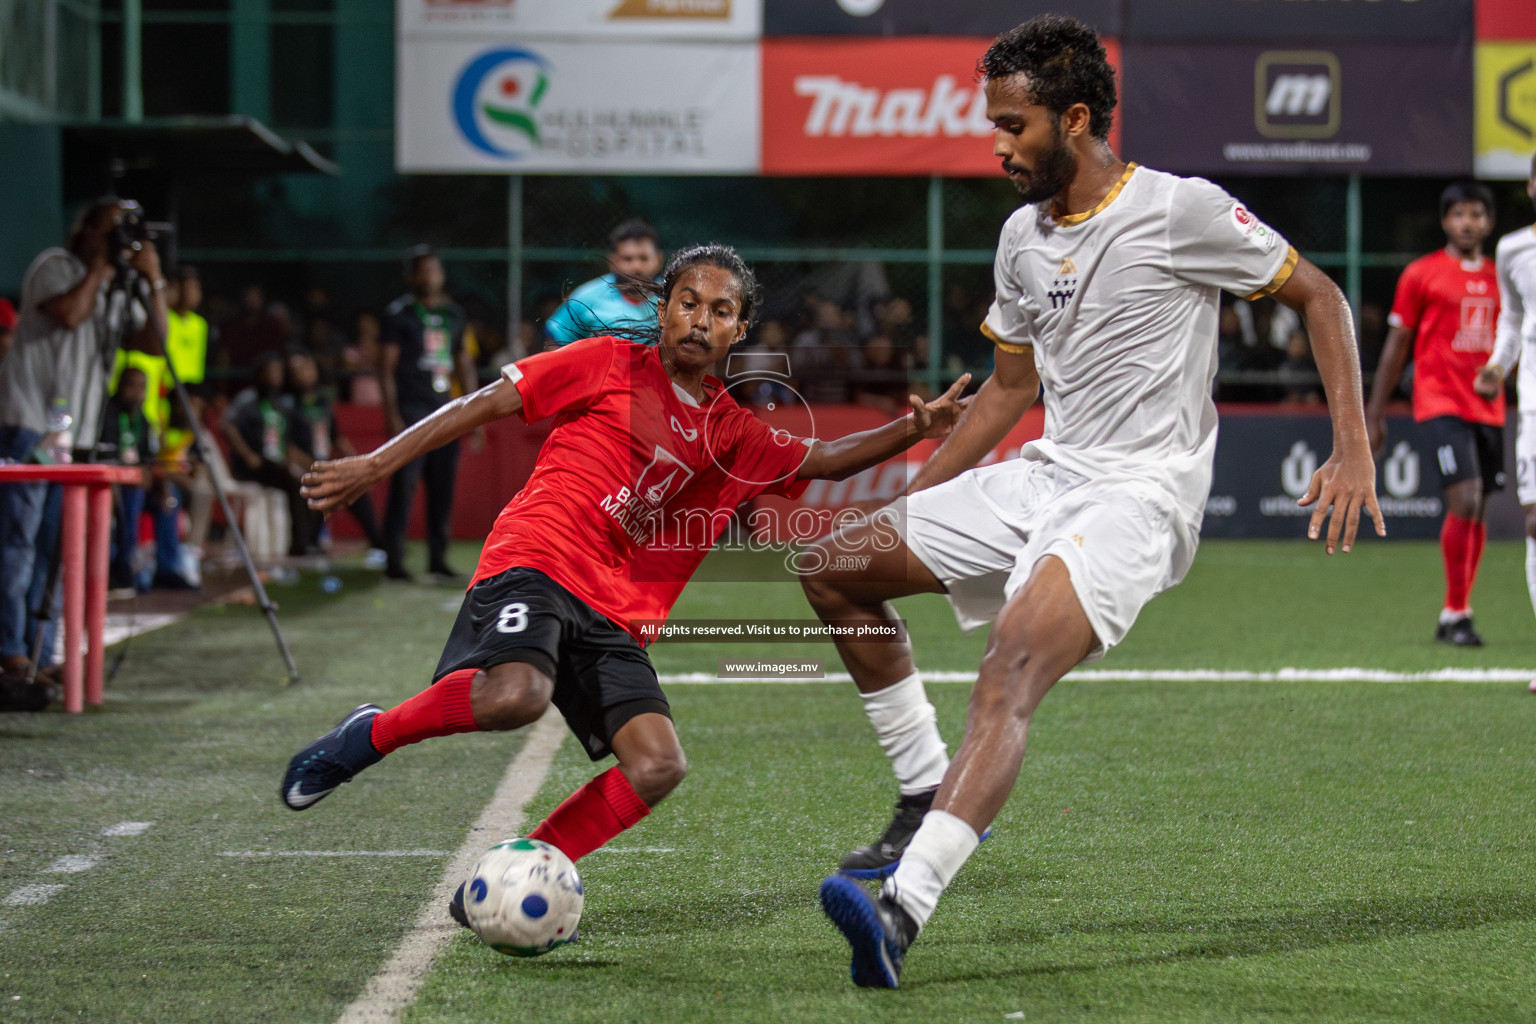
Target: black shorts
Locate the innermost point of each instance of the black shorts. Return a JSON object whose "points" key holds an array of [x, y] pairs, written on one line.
{"points": [[1465, 450], [603, 677]]}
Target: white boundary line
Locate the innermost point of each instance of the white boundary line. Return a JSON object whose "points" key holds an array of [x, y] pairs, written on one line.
{"points": [[394, 987], [336, 853], [1193, 675]]}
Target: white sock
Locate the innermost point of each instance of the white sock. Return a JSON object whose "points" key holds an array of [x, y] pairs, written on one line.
{"points": [[942, 844], [905, 724], [1530, 569]]}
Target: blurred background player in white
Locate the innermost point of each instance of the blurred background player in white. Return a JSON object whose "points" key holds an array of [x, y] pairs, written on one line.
{"points": [[1444, 311], [1108, 294], [1516, 338], [618, 303]]}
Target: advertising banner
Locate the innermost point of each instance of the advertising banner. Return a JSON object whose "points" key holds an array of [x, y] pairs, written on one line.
{"points": [[1440, 20], [1212, 108], [1506, 19], [923, 17], [580, 19], [1506, 109], [656, 107], [1265, 460], [878, 107]]}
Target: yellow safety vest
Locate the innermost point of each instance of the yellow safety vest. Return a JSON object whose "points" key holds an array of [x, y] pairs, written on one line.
{"points": [[156, 408], [186, 344]]}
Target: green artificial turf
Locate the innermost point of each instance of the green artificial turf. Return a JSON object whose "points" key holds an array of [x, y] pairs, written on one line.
{"points": [[1174, 852]]}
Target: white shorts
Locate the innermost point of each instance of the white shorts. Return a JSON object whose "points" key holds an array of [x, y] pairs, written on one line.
{"points": [[981, 534], [1525, 458]]}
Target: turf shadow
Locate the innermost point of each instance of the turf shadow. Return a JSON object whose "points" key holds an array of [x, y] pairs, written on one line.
{"points": [[1339, 922]]}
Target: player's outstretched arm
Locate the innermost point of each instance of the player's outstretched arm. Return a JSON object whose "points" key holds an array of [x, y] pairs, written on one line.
{"points": [[1347, 481], [995, 409], [845, 456], [1506, 341], [329, 486]]}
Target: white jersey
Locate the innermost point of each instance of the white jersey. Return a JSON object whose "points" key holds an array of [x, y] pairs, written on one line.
{"points": [[1516, 338], [1121, 307]]}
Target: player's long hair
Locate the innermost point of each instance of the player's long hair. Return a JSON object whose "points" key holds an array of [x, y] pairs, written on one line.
{"points": [[1065, 64], [749, 293]]}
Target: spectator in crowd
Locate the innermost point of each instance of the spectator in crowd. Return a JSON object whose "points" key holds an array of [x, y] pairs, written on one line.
{"points": [[360, 363], [895, 321], [1300, 383], [52, 387], [188, 334], [857, 288], [764, 365], [619, 303], [823, 352], [527, 341], [127, 439], [879, 379], [422, 353], [184, 483], [318, 438], [7, 326], [322, 338], [1372, 326], [255, 333], [263, 436]]}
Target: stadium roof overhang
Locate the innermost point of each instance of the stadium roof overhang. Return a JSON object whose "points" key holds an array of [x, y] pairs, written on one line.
{"points": [[234, 144]]}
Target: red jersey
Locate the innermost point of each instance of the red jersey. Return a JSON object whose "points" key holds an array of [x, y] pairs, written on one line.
{"points": [[636, 480], [1453, 308]]}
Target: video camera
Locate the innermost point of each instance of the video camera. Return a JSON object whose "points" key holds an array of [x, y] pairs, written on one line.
{"points": [[133, 231], [129, 236]]}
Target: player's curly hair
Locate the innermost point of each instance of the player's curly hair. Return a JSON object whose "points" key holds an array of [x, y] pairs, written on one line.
{"points": [[714, 254], [1065, 64]]}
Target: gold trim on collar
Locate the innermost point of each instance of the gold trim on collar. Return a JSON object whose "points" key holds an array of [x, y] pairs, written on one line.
{"points": [[1281, 276], [1068, 220]]}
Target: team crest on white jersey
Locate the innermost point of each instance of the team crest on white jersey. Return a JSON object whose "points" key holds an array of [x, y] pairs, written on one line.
{"points": [[1064, 284]]}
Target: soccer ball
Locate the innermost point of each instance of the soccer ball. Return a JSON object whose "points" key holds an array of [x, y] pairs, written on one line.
{"points": [[523, 898]]}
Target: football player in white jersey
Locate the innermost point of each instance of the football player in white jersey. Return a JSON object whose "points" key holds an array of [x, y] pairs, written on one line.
{"points": [[1108, 283], [1516, 338]]}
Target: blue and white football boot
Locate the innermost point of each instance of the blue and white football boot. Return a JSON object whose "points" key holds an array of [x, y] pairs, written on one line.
{"points": [[331, 760], [877, 929]]}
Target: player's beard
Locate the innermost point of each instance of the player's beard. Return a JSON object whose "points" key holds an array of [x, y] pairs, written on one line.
{"points": [[1054, 170]]}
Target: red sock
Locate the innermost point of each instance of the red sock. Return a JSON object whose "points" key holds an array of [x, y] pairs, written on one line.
{"points": [[1455, 545], [1479, 537], [442, 709], [592, 815]]}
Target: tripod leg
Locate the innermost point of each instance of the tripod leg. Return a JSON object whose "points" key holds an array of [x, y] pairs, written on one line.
{"points": [[201, 443]]}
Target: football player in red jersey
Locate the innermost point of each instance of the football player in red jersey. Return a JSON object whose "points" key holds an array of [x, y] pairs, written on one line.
{"points": [[1446, 308], [643, 440]]}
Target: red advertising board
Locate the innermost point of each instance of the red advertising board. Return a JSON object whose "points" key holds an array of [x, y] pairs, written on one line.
{"points": [[1506, 19], [894, 107]]}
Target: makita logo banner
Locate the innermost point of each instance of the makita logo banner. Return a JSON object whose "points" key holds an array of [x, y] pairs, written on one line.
{"points": [[877, 106]]}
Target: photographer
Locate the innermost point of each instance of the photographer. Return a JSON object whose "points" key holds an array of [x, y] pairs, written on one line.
{"points": [[77, 305]]}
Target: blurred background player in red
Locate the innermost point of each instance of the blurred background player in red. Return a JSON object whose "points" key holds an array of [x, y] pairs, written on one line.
{"points": [[1446, 307], [599, 543]]}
